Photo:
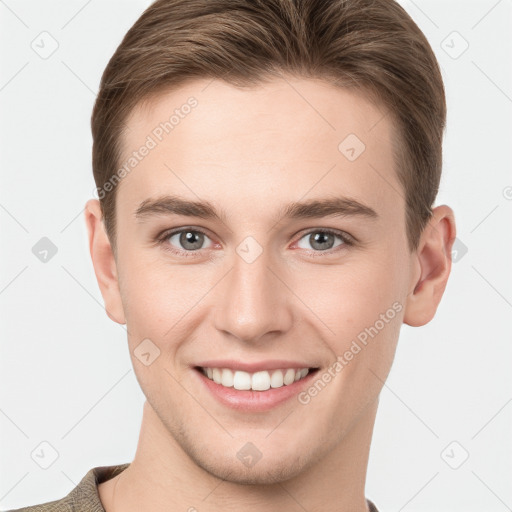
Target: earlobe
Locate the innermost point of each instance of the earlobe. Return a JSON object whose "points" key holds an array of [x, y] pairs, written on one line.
{"points": [[103, 262], [432, 267]]}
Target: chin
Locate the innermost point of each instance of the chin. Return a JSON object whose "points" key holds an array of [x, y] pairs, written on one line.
{"points": [[268, 472]]}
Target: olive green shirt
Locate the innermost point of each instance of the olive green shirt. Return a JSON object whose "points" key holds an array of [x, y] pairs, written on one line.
{"points": [[85, 498]]}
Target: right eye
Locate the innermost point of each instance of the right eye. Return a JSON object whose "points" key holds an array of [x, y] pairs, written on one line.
{"points": [[188, 240]]}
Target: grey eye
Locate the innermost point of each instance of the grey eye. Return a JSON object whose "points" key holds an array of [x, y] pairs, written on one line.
{"points": [[321, 240], [189, 240]]}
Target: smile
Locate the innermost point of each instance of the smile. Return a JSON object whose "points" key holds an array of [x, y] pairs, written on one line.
{"points": [[257, 381]]}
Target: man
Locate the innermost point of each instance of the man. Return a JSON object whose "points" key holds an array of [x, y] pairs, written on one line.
{"points": [[266, 173]]}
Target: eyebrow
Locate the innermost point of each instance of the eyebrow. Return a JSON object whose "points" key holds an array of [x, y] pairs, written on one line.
{"points": [[315, 208]]}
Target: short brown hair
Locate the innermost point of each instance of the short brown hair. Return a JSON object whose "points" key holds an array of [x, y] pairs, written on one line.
{"points": [[370, 45]]}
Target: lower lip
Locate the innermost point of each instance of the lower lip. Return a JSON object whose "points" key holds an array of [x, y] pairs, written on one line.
{"points": [[254, 401]]}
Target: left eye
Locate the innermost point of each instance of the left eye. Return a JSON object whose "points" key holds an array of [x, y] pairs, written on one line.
{"points": [[322, 240]]}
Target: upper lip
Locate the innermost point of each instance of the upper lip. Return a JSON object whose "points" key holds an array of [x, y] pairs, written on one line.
{"points": [[275, 364]]}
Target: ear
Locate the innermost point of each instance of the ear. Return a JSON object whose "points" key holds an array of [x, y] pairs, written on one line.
{"points": [[103, 261], [432, 266]]}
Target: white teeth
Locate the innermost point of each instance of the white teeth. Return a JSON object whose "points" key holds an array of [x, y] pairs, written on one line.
{"points": [[227, 377], [277, 381], [289, 376], [258, 381], [242, 380], [217, 375]]}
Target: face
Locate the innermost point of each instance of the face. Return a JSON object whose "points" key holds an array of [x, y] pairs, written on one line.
{"points": [[254, 281]]}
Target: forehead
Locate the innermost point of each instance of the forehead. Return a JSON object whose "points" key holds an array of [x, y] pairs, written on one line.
{"points": [[272, 143]]}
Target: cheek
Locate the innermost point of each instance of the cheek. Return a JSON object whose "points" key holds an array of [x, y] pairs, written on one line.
{"points": [[155, 295], [163, 303], [348, 298], [361, 303], [363, 307], [153, 306], [369, 338]]}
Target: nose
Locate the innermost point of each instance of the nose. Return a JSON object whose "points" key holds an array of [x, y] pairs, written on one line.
{"points": [[254, 302]]}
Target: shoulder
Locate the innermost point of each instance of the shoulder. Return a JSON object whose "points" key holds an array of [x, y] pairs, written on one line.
{"points": [[62, 505], [84, 497]]}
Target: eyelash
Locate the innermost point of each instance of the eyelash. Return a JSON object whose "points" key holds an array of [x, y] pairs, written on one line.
{"points": [[347, 240]]}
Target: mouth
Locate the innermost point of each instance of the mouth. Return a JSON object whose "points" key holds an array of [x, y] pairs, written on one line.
{"points": [[262, 380]]}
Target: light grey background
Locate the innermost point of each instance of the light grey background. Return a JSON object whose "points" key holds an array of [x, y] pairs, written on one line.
{"points": [[65, 374]]}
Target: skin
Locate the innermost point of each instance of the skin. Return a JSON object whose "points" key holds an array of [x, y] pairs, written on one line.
{"points": [[249, 152]]}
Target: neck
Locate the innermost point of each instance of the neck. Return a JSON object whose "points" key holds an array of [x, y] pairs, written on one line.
{"points": [[163, 477]]}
